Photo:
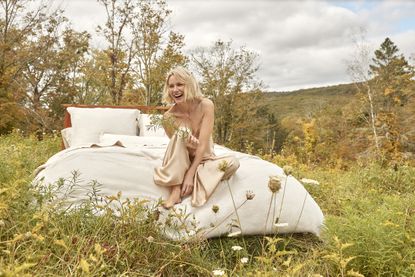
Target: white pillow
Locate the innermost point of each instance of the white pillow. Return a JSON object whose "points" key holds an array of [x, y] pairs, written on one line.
{"points": [[89, 123], [149, 130], [67, 137], [133, 141]]}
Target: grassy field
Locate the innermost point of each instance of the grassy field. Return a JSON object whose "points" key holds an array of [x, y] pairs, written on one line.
{"points": [[370, 229]]}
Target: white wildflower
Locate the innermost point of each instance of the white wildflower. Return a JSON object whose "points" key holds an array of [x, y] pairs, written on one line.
{"points": [[184, 132], [281, 225], [309, 181], [218, 272], [234, 234], [244, 260], [236, 248], [184, 129], [150, 239]]}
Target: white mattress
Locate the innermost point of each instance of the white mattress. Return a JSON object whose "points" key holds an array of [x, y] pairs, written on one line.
{"points": [[130, 170]]}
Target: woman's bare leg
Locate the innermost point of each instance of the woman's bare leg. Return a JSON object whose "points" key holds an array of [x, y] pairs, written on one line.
{"points": [[174, 197]]}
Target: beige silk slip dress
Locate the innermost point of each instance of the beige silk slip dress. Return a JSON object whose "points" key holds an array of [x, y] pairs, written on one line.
{"points": [[210, 172]]}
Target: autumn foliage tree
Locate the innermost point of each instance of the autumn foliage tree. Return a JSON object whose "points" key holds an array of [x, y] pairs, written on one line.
{"points": [[120, 51], [386, 85], [30, 65], [140, 51], [392, 82], [16, 26], [44, 64], [226, 74], [158, 50]]}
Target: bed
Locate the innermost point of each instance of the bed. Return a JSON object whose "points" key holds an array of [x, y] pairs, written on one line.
{"points": [[117, 149]]}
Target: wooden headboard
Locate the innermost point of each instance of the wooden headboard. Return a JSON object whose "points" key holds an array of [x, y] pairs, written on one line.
{"points": [[142, 108]]}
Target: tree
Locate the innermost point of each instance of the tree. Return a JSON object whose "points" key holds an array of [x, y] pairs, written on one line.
{"points": [[392, 75], [156, 54], [120, 51], [135, 31], [40, 74], [358, 69], [93, 82], [392, 81], [225, 73], [387, 80], [70, 86], [17, 29], [53, 76]]}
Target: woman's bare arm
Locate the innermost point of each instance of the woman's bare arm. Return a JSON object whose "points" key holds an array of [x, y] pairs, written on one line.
{"points": [[168, 123]]}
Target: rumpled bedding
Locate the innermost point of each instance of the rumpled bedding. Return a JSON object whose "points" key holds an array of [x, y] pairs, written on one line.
{"points": [[129, 170]]}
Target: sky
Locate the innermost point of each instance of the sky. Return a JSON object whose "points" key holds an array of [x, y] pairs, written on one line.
{"points": [[300, 44]]}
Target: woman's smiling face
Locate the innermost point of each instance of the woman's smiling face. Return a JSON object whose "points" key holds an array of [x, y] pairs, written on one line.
{"points": [[176, 89]]}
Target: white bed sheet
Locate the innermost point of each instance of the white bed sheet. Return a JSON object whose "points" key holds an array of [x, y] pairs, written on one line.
{"points": [[130, 170]]}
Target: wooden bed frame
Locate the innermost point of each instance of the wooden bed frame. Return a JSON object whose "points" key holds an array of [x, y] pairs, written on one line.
{"points": [[144, 109]]}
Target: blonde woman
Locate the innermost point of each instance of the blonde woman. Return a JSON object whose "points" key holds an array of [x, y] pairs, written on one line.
{"points": [[190, 165]]}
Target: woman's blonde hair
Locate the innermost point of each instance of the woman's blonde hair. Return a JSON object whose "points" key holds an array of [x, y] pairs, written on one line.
{"points": [[191, 86]]}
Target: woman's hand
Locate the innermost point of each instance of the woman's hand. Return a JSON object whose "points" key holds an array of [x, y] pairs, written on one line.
{"points": [[192, 142], [187, 186]]}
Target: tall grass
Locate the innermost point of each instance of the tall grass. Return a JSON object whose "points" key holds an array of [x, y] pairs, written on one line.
{"points": [[369, 231]]}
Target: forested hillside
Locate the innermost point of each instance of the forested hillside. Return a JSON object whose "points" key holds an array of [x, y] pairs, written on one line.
{"points": [[308, 101], [334, 114]]}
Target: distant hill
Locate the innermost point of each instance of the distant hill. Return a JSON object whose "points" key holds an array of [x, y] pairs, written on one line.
{"points": [[306, 101]]}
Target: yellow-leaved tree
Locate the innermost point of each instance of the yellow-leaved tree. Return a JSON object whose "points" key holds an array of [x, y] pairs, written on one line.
{"points": [[392, 84]]}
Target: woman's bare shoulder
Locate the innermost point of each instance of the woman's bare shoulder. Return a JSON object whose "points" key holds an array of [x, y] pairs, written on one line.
{"points": [[207, 104], [169, 112]]}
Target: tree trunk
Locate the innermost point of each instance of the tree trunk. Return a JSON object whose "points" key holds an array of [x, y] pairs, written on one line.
{"points": [[373, 119]]}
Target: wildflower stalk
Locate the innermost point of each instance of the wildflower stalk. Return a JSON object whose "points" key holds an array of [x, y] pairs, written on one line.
{"points": [[274, 184], [273, 212], [282, 200], [157, 121], [222, 252], [223, 220], [269, 210], [301, 212], [160, 270], [234, 206]]}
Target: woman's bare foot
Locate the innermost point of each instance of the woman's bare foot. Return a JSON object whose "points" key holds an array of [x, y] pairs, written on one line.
{"points": [[173, 199], [171, 202]]}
